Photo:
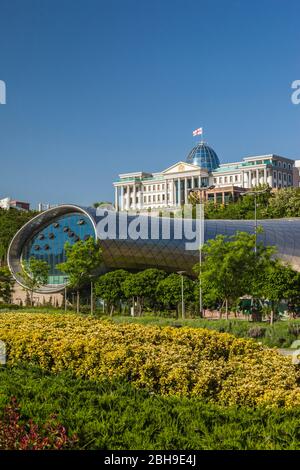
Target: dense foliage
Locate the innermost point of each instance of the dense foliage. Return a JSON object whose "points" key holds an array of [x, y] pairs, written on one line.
{"points": [[10, 222], [281, 334], [115, 415], [16, 435], [82, 259], [188, 362], [284, 202], [34, 274], [6, 284]]}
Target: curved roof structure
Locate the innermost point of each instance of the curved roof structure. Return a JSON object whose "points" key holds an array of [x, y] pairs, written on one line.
{"points": [[203, 156], [126, 244]]}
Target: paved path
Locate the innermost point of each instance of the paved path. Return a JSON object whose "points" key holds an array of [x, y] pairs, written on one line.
{"points": [[294, 353]]}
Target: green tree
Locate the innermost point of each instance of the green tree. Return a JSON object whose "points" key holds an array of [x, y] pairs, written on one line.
{"points": [[169, 291], [6, 284], [109, 287], [279, 282], [82, 260], [10, 222], [230, 266], [101, 203], [142, 286], [284, 203], [34, 274]]}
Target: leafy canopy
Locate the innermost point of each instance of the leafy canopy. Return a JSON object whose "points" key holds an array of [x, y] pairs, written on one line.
{"points": [[82, 260], [109, 286], [6, 284], [230, 266], [35, 273], [169, 290]]}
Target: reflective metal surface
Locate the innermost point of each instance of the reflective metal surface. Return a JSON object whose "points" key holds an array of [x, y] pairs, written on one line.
{"points": [[134, 254]]}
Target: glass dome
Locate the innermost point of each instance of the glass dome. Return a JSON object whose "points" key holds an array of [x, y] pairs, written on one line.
{"points": [[203, 156]]}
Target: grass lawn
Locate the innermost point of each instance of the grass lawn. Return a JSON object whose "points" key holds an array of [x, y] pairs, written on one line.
{"points": [[115, 415], [280, 335]]}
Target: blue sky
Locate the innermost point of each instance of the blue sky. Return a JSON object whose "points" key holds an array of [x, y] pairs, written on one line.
{"points": [[96, 88]]}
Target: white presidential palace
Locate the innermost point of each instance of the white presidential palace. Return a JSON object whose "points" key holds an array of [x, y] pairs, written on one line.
{"points": [[201, 173]]}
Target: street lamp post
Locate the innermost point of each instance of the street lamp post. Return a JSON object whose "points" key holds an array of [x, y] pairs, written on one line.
{"points": [[200, 258], [182, 296], [255, 193]]}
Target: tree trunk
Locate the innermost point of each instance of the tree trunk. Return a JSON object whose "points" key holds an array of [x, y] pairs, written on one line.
{"points": [[31, 298], [77, 302], [226, 309], [140, 306], [111, 311], [272, 314], [220, 310]]}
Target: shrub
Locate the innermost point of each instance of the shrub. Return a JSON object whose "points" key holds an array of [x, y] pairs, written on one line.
{"points": [[115, 415], [294, 329], [256, 332], [14, 435], [169, 361]]}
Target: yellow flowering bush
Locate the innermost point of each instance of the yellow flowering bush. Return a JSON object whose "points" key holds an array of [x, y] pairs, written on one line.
{"points": [[187, 361]]}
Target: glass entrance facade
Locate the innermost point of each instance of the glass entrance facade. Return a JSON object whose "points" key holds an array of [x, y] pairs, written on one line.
{"points": [[48, 244]]}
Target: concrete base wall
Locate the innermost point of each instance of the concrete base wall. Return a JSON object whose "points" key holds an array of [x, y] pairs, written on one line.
{"points": [[19, 297]]}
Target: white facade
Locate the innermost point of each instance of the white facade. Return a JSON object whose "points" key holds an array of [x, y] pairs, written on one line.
{"points": [[5, 203], [170, 188]]}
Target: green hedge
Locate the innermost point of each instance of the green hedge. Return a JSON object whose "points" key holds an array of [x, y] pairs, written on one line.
{"points": [[116, 416]]}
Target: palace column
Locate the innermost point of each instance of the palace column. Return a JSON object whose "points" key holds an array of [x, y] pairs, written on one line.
{"points": [[173, 192], [116, 198], [166, 192], [185, 190], [122, 197], [265, 175], [141, 202], [257, 177], [178, 192], [128, 197], [134, 196]]}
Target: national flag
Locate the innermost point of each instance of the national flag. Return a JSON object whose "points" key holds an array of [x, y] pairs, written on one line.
{"points": [[198, 131]]}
